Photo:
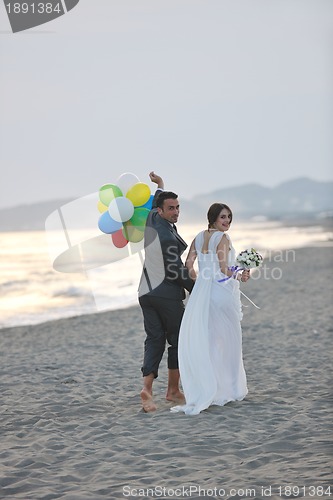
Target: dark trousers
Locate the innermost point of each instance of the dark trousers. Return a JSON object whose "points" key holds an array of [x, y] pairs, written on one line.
{"points": [[162, 318]]}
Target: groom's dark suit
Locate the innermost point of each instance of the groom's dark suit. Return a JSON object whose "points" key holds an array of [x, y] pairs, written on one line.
{"points": [[161, 290]]}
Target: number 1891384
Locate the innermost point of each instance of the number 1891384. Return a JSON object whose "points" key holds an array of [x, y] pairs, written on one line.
{"points": [[33, 8]]}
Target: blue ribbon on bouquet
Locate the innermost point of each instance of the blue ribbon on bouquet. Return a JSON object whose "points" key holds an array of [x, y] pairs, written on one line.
{"points": [[234, 270]]}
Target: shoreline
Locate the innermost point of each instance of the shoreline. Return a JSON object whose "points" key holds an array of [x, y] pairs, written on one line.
{"points": [[272, 254]]}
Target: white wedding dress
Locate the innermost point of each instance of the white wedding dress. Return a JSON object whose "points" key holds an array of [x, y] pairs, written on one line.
{"points": [[210, 340]]}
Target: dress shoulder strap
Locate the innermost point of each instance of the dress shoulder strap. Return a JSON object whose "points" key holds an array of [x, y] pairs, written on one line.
{"points": [[215, 240], [198, 241]]}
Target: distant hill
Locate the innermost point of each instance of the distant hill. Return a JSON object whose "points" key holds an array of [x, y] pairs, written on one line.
{"points": [[292, 199], [297, 197], [28, 217]]}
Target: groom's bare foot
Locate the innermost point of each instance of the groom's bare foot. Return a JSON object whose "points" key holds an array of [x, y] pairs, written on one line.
{"points": [[148, 404], [176, 397]]}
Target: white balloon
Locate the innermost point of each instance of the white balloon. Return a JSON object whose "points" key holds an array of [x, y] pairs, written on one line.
{"points": [[126, 181], [121, 209]]}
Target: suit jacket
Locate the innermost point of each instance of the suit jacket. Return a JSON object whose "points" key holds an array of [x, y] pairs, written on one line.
{"points": [[164, 274]]}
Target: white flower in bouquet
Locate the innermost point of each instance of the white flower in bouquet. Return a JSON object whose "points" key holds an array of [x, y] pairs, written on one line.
{"points": [[249, 259]]}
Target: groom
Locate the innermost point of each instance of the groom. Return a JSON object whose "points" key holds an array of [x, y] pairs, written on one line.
{"points": [[161, 293]]}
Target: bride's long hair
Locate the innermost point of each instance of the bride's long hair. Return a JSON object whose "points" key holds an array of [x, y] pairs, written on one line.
{"points": [[214, 211]]}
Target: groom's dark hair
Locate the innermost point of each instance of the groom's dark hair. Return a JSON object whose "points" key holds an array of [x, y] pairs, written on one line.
{"points": [[165, 195]]}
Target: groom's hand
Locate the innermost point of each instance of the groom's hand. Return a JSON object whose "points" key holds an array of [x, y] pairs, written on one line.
{"points": [[156, 179]]}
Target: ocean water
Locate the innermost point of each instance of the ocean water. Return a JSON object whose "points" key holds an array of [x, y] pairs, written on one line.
{"points": [[32, 291]]}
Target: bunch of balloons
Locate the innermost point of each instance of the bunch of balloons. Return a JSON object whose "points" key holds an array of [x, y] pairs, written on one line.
{"points": [[124, 207]]}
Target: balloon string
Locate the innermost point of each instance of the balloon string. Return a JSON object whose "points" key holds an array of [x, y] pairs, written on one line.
{"points": [[249, 299]]}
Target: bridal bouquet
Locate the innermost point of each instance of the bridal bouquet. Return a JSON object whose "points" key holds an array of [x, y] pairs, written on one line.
{"points": [[249, 259]]}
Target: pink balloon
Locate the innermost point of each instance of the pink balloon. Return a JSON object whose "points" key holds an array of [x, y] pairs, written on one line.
{"points": [[118, 239]]}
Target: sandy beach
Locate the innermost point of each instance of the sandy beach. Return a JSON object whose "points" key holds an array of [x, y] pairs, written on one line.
{"points": [[72, 426]]}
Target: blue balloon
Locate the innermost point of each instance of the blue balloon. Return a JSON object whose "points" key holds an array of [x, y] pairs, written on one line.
{"points": [[148, 203], [107, 224]]}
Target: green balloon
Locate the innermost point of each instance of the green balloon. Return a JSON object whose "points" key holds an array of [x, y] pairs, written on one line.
{"points": [[108, 192], [139, 218], [132, 233]]}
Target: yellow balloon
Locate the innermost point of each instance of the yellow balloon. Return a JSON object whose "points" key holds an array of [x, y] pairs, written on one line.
{"points": [[101, 207], [139, 194], [131, 233]]}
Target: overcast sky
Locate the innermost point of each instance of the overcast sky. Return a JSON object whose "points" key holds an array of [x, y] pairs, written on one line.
{"points": [[208, 93]]}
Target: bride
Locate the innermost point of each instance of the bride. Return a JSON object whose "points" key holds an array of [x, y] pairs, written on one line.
{"points": [[210, 339]]}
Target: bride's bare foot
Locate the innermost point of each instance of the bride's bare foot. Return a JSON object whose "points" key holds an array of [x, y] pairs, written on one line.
{"points": [[176, 397], [148, 404]]}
